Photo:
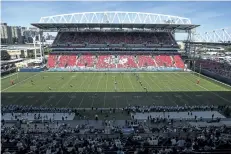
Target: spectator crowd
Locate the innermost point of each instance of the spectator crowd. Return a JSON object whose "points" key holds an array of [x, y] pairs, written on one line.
{"points": [[68, 140], [59, 137], [114, 38], [219, 68]]}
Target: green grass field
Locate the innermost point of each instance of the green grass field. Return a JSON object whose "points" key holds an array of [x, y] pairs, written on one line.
{"points": [[85, 90]]}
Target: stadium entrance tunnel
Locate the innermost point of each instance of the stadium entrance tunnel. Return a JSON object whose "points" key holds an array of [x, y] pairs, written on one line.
{"points": [[115, 99]]}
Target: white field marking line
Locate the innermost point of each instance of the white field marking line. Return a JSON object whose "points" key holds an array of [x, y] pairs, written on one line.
{"points": [[122, 81], [187, 88], [86, 77], [212, 79], [24, 95], [101, 76], [105, 92], [64, 94], [123, 87], [20, 82], [209, 91], [57, 103], [18, 98], [69, 91], [8, 76], [86, 90], [150, 87], [176, 73], [215, 81], [35, 86], [131, 83], [119, 72], [162, 90], [155, 83], [59, 80], [170, 83]]}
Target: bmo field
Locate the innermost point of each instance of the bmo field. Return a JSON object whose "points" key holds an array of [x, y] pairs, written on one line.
{"points": [[115, 90]]}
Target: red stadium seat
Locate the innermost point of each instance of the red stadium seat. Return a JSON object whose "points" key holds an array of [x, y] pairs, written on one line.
{"points": [[144, 61], [178, 61], [86, 60], [106, 61], [164, 61], [126, 61]]}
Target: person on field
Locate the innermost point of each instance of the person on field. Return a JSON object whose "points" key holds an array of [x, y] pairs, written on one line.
{"points": [[12, 82]]}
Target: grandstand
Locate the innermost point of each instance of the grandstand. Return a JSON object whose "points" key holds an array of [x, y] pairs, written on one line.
{"points": [[104, 44], [123, 60]]}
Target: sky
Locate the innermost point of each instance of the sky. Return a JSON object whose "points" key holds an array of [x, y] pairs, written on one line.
{"points": [[210, 15]]}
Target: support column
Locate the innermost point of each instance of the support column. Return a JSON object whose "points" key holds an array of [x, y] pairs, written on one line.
{"points": [[35, 53], [40, 45], [188, 42], [43, 46]]}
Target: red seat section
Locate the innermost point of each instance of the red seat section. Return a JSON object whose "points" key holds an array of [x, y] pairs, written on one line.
{"points": [[86, 60], [51, 61], [144, 61], [164, 60], [114, 61], [63, 59], [106, 61], [178, 61], [215, 66], [71, 60], [126, 61]]}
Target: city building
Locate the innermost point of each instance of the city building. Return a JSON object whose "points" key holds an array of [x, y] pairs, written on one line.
{"points": [[6, 34], [11, 34], [16, 35]]}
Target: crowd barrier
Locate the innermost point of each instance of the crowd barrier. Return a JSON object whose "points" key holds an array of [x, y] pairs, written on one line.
{"points": [[31, 69], [154, 69]]}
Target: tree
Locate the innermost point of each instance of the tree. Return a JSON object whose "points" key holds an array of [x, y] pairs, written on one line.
{"points": [[228, 49], [47, 51]]}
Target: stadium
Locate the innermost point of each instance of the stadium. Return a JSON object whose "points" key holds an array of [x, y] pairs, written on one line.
{"points": [[138, 58], [105, 62]]}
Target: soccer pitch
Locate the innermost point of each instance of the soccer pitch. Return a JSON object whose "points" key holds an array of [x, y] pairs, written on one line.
{"points": [[112, 90]]}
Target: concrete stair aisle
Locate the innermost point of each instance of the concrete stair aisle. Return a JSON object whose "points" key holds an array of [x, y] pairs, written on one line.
{"points": [[173, 61], [153, 57], [95, 59]]}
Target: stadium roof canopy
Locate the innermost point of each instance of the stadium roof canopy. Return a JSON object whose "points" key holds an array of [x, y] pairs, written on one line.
{"points": [[102, 25], [114, 19]]}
